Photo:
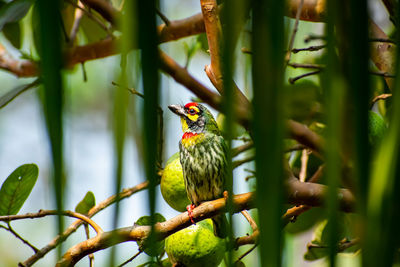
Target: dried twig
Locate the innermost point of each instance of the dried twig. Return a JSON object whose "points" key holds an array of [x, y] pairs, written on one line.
{"points": [[44, 213], [75, 225], [23, 240], [310, 48], [294, 79], [293, 36], [306, 66], [380, 97]]}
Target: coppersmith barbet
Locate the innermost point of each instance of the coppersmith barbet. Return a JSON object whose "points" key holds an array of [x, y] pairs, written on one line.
{"points": [[203, 157]]}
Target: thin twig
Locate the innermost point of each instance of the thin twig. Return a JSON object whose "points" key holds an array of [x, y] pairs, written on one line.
{"points": [[91, 16], [293, 36], [239, 162], [294, 79], [310, 48], [75, 27], [246, 253], [125, 193], [383, 74], [132, 90], [130, 259], [91, 255], [43, 213], [296, 147], [382, 40], [246, 50], [250, 219], [163, 17], [380, 97], [306, 66], [304, 163], [26, 242], [312, 37], [240, 149]]}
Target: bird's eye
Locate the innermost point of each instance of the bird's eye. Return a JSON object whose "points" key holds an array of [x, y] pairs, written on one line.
{"points": [[192, 111]]}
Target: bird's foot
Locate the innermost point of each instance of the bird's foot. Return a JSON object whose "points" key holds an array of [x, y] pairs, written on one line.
{"points": [[190, 212], [226, 195]]}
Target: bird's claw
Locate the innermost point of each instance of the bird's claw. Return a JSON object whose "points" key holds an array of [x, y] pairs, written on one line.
{"points": [[190, 212]]}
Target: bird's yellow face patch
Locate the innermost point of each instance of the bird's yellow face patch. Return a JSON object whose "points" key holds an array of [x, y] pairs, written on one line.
{"points": [[193, 113]]}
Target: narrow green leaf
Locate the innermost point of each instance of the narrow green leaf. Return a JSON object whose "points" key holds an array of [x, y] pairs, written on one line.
{"points": [[9, 96], [92, 30], [16, 188], [14, 11], [12, 31], [86, 203]]}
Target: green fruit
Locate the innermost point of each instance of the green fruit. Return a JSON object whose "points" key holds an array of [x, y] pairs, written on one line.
{"points": [[154, 249], [172, 184], [376, 128], [196, 246]]}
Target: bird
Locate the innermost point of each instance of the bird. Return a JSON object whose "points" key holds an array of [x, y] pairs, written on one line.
{"points": [[203, 156]]}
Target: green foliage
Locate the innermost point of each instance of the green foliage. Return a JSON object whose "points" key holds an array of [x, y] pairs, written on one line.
{"points": [[152, 250], [319, 245], [14, 11], [86, 203], [13, 93], [305, 221], [12, 31], [16, 188]]}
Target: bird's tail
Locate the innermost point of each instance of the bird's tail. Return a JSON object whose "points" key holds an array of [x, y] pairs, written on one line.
{"points": [[220, 225]]}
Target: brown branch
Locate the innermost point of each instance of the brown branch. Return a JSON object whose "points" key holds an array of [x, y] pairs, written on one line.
{"points": [[294, 79], [293, 36], [209, 8], [240, 149], [250, 219], [313, 10], [380, 97], [75, 225], [306, 66], [104, 8], [297, 192], [44, 213], [23, 240], [310, 48]]}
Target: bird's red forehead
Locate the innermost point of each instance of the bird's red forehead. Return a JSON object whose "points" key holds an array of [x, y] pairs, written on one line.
{"points": [[188, 105]]}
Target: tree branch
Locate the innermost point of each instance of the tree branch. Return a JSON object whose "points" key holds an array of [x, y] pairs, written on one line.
{"points": [[75, 225], [297, 192], [44, 213]]}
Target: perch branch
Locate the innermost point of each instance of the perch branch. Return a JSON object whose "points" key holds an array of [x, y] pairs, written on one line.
{"points": [[297, 192]]}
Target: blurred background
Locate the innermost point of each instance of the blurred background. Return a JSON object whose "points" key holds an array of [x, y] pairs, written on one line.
{"points": [[89, 142]]}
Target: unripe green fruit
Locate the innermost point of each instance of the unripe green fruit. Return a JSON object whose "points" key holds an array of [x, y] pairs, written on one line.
{"points": [[172, 184], [196, 246]]}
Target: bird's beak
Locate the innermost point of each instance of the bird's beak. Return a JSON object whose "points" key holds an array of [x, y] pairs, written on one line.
{"points": [[178, 110]]}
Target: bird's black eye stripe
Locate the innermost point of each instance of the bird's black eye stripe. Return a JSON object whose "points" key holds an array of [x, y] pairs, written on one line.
{"points": [[192, 111]]}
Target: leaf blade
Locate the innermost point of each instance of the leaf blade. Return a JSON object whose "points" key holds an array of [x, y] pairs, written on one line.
{"points": [[16, 188]]}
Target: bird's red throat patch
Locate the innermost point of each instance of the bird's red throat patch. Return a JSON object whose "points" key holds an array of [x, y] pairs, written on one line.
{"points": [[188, 135]]}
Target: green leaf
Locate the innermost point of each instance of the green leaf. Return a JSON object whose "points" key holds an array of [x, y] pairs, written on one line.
{"points": [[86, 203], [12, 31], [152, 250], [16, 188], [9, 96], [305, 221], [14, 11], [92, 30]]}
